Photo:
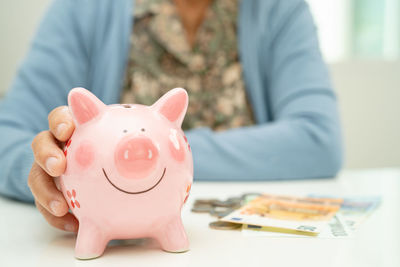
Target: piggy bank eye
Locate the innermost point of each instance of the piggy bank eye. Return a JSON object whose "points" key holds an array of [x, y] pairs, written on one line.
{"points": [[142, 129], [125, 130]]}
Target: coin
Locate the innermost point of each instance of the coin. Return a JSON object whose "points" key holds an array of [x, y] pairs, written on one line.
{"points": [[209, 201], [221, 208], [220, 225], [202, 208], [226, 203], [237, 200], [220, 212]]}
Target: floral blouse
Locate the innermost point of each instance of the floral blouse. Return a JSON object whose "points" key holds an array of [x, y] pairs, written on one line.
{"points": [[161, 59]]}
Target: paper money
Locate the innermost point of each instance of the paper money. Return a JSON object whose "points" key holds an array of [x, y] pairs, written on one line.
{"points": [[307, 215], [288, 216], [353, 211], [335, 228]]}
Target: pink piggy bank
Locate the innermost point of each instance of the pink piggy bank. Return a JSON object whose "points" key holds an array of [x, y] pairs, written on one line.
{"points": [[129, 171]]}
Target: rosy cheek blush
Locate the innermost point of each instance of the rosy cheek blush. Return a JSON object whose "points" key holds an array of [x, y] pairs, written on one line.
{"points": [[175, 146], [84, 155]]}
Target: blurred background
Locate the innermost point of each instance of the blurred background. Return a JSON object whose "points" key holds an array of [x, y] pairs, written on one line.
{"points": [[360, 40]]}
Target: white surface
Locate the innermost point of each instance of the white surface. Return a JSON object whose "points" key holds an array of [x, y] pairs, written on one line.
{"points": [[26, 239]]}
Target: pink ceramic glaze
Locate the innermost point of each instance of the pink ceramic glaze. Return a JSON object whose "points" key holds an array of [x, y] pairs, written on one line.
{"points": [[129, 171]]}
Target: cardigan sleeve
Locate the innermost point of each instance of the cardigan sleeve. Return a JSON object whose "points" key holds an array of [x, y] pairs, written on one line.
{"points": [[56, 62], [303, 137]]}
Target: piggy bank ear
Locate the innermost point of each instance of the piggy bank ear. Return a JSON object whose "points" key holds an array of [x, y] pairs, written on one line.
{"points": [[173, 105], [84, 105]]}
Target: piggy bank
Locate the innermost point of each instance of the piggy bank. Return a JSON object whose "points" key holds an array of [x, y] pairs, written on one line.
{"points": [[129, 171]]}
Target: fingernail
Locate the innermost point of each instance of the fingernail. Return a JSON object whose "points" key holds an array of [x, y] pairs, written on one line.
{"points": [[69, 227], [55, 206], [51, 163], [61, 128]]}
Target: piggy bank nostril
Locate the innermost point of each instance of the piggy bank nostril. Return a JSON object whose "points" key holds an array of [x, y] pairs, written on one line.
{"points": [[138, 154], [136, 157]]}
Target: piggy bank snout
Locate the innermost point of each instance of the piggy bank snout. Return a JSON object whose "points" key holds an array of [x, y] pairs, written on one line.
{"points": [[136, 157]]}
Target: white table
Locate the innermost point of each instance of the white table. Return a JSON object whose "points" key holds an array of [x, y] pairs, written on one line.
{"points": [[27, 240]]}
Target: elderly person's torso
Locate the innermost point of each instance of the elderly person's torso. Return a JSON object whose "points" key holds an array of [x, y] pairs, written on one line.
{"points": [[165, 54]]}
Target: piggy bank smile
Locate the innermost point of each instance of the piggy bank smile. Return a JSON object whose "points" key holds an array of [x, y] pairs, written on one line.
{"points": [[137, 192]]}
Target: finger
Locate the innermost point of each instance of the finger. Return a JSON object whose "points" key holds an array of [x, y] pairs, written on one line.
{"points": [[48, 154], [45, 191], [68, 222], [61, 124]]}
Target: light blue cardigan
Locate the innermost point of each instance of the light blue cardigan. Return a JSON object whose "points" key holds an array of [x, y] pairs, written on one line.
{"points": [[86, 42]]}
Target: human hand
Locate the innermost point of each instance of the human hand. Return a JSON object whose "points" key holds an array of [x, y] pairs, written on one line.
{"points": [[50, 162]]}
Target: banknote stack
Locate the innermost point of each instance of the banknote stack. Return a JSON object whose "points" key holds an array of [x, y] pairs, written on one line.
{"points": [[277, 215]]}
